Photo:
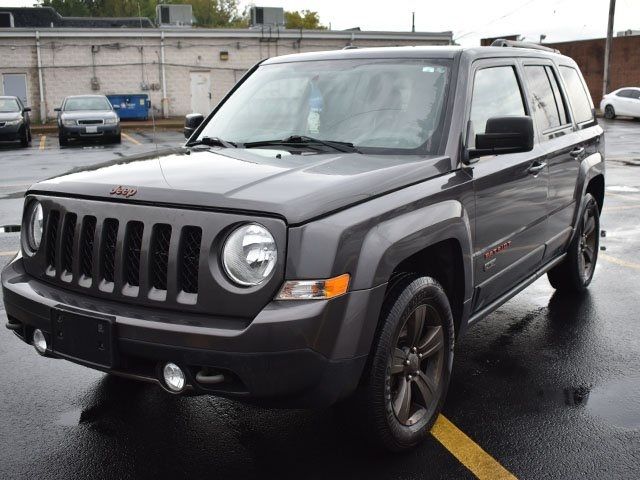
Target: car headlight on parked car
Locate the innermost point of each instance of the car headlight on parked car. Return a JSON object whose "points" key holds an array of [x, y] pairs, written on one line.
{"points": [[111, 121], [16, 121], [69, 123], [249, 255], [35, 228]]}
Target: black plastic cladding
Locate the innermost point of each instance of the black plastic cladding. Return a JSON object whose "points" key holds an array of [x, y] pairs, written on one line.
{"points": [[173, 244]]}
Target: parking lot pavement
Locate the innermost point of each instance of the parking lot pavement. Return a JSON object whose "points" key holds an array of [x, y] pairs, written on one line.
{"points": [[547, 387]]}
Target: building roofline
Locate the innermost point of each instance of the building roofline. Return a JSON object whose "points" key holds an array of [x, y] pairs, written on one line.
{"points": [[221, 33]]}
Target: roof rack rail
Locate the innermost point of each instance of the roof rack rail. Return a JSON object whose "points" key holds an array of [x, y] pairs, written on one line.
{"points": [[501, 42]]}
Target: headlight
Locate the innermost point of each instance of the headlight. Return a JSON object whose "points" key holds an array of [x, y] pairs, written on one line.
{"points": [[35, 220], [111, 121], [69, 123], [249, 255], [17, 121]]}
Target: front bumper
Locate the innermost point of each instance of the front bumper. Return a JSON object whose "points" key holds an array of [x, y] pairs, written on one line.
{"points": [[11, 132], [293, 354], [84, 131]]}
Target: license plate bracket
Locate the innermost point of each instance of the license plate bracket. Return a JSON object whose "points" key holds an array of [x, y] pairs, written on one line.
{"points": [[83, 338]]}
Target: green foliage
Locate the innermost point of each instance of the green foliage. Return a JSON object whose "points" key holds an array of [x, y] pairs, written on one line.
{"points": [[305, 19]]}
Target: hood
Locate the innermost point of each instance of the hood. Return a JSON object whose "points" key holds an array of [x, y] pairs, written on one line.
{"points": [[295, 187], [6, 116], [81, 114]]}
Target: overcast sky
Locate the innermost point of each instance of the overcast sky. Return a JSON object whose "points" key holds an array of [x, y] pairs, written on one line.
{"points": [[470, 20]]}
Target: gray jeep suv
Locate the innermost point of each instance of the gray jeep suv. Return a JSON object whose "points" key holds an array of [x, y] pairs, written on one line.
{"points": [[326, 234]]}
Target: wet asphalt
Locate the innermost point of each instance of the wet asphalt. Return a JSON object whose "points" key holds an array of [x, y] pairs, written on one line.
{"points": [[548, 385]]}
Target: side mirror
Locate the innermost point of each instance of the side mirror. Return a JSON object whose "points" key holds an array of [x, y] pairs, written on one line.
{"points": [[57, 109], [27, 109], [504, 135], [191, 122]]}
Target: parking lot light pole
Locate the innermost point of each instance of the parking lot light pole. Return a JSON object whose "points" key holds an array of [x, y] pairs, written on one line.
{"points": [[607, 48]]}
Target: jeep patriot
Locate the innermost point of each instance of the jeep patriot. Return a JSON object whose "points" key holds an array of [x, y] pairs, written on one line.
{"points": [[326, 234]]}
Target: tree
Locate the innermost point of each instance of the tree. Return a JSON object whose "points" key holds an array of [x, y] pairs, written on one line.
{"points": [[305, 19], [68, 8]]}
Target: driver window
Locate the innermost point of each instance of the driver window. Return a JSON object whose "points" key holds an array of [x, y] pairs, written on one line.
{"points": [[496, 93]]}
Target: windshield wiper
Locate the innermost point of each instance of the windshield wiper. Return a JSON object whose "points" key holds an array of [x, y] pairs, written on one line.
{"points": [[212, 142], [304, 140]]}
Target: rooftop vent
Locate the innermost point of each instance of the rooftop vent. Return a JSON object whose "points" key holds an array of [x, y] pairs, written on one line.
{"points": [[174, 15], [267, 16]]}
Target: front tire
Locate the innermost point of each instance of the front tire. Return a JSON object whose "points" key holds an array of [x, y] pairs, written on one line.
{"points": [[25, 139], [62, 140], [574, 274], [406, 382], [609, 112]]}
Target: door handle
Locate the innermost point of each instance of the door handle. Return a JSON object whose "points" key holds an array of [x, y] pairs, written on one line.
{"points": [[537, 167], [576, 152]]}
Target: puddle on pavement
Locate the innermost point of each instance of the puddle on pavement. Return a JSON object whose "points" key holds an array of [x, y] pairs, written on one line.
{"points": [[70, 418], [617, 402]]}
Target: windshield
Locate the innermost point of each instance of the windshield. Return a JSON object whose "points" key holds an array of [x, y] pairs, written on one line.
{"points": [[389, 105], [86, 103], [9, 105]]}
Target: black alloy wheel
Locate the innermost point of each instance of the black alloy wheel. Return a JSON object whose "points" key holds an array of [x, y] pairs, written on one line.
{"points": [[405, 383], [576, 271], [415, 371]]}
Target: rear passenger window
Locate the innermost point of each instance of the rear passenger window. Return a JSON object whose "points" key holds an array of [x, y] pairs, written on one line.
{"points": [[580, 101], [546, 101], [496, 93]]}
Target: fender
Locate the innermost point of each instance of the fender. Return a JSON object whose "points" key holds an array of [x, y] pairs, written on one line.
{"points": [[591, 167]]}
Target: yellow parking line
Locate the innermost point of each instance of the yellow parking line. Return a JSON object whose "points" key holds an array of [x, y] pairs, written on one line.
{"points": [[7, 254], [617, 261], [43, 140], [468, 452], [131, 139]]}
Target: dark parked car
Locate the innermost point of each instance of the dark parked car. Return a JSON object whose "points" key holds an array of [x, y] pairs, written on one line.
{"points": [[15, 124], [87, 117], [326, 235]]}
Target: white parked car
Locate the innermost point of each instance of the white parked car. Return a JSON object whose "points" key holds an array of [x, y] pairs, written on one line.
{"points": [[624, 101]]}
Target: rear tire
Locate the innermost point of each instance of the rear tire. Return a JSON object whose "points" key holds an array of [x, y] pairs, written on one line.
{"points": [[574, 274], [405, 383], [609, 112]]}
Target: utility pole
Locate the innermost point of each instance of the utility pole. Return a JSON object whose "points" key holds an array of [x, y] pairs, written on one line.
{"points": [[607, 48]]}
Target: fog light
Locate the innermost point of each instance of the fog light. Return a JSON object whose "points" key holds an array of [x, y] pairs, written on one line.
{"points": [[173, 377], [39, 342]]}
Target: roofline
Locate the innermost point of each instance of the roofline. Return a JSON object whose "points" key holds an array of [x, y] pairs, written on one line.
{"points": [[221, 33]]}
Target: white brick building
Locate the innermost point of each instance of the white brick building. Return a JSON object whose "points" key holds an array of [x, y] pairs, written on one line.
{"points": [[180, 69]]}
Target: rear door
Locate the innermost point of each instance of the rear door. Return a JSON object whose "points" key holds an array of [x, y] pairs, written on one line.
{"points": [[634, 102], [560, 142], [510, 189]]}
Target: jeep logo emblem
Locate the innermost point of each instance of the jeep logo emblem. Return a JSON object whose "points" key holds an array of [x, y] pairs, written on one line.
{"points": [[123, 191]]}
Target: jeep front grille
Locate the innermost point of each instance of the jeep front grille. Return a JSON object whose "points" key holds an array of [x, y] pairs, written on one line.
{"points": [[134, 255], [62, 249]]}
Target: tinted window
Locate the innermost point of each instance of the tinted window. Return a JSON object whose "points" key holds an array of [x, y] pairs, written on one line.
{"points": [[563, 110], [496, 93], [578, 96], [544, 100], [377, 104], [623, 93], [634, 94]]}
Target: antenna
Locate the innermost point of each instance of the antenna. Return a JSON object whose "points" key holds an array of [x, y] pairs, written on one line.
{"points": [[413, 21]]}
